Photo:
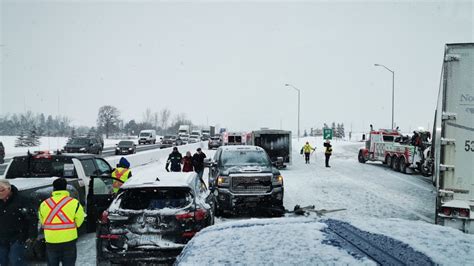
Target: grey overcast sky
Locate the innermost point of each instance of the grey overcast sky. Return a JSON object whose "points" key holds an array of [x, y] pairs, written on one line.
{"points": [[227, 62]]}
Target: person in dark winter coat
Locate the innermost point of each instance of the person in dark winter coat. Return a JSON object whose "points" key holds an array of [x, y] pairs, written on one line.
{"points": [[18, 225], [174, 159], [198, 162], [188, 162], [328, 151]]}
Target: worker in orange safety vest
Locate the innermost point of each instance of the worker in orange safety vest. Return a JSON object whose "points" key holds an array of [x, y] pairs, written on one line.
{"points": [[60, 216], [122, 172]]}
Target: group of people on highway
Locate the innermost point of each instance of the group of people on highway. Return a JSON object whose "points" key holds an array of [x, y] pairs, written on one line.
{"points": [[189, 163], [307, 150], [60, 216]]}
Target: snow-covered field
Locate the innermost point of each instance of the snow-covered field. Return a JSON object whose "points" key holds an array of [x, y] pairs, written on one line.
{"points": [[46, 143], [376, 199]]}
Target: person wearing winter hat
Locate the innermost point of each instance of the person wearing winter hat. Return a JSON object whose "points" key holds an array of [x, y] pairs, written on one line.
{"points": [[188, 162], [122, 172], [198, 162], [175, 159], [18, 225], [307, 151], [60, 216], [328, 151]]}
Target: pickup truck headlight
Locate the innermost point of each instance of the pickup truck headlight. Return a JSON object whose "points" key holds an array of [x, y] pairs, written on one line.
{"points": [[277, 180], [223, 181], [130, 149], [118, 148], [82, 149]]}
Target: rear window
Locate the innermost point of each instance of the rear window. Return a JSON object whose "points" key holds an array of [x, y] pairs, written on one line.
{"points": [[155, 198], [235, 139], [29, 166], [145, 134]]}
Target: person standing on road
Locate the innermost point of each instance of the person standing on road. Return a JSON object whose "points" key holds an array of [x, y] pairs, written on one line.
{"points": [[61, 215], [328, 151], [175, 159], [188, 162], [307, 151], [122, 172], [198, 162], [18, 225]]}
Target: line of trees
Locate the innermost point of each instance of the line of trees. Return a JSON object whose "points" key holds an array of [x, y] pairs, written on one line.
{"points": [[30, 126], [337, 129]]}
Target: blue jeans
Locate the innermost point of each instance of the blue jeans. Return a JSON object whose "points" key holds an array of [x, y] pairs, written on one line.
{"points": [[12, 253], [62, 252]]}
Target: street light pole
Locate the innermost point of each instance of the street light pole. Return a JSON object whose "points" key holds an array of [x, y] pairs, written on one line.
{"points": [[289, 85], [393, 91]]}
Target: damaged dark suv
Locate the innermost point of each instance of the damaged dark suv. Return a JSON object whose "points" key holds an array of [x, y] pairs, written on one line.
{"points": [[153, 217], [243, 179]]}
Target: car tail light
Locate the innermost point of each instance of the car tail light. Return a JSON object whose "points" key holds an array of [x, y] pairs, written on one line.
{"points": [[463, 212], [189, 234], [112, 237], [199, 214], [446, 211], [104, 219]]}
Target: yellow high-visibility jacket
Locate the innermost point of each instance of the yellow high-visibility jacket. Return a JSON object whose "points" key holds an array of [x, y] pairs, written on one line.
{"points": [[122, 174], [60, 216], [307, 148]]}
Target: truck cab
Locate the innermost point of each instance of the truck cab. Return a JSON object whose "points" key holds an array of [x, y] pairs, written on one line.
{"points": [[375, 143]]}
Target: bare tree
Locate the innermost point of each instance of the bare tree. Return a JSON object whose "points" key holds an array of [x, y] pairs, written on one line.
{"points": [[155, 120], [164, 118], [108, 118], [148, 116]]}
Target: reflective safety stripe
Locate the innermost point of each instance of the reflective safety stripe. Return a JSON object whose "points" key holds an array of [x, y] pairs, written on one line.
{"points": [[119, 174], [56, 211], [59, 226]]}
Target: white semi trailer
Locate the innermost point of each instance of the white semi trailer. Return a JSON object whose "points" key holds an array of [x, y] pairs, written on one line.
{"points": [[453, 139]]}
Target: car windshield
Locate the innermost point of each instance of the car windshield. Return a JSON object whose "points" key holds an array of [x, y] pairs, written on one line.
{"points": [[155, 198], [126, 143], [145, 134], [78, 142], [169, 137], [245, 157], [31, 166]]}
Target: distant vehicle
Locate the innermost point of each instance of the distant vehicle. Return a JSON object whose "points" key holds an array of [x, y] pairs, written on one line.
{"points": [[277, 144], [214, 142], [398, 152], [153, 217], [33, 175], [83, 145], [194, 139], [234, 138], [2, 153], [125, 147], [147, 136], [184, 129], [170, 141], [244, 179], [208, 132], [184, 138], [453, 140]]}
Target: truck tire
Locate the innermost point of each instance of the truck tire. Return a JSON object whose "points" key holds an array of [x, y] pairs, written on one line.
{"points": [[389, 161], [361, 157], [395, 163], [403, 165]]}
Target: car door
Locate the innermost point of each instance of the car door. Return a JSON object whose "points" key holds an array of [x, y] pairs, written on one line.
{"points": [[99, 198]]}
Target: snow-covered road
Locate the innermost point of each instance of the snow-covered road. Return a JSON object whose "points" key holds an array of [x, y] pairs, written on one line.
{"points": [[367, 191]]}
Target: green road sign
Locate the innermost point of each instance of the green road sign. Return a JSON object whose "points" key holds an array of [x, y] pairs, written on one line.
{"points": [[327, 133]]}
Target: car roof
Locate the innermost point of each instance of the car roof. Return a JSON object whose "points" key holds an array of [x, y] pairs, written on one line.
{"points": [[162, 179], [241, 148], [69, 155]]}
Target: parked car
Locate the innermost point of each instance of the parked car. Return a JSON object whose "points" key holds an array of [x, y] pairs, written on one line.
{"points": [[194, 139], [33, 175], [2, 153], [244, 179], [170, 141], [147, 136], [153, 217], [125, 147], [83, 145], [214, 142]]}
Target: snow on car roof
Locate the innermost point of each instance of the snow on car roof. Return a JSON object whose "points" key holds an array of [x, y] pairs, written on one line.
{"points": [[241, 148], [164, 179], [281, 241]]}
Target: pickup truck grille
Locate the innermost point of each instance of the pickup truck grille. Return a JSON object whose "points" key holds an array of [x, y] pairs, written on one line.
{"points": [[251, 184]]}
